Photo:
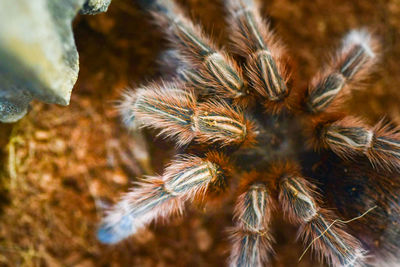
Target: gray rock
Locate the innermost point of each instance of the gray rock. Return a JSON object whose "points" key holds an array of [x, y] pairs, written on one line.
{"points": [[14, 104], [38, 56], [93, 7]]}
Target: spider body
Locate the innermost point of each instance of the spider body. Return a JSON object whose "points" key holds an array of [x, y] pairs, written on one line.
{"points": [[279, 136], [359, 188], [243, 131]]}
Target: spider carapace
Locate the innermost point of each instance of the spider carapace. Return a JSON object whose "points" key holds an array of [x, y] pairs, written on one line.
{"points": [[244, 131]]}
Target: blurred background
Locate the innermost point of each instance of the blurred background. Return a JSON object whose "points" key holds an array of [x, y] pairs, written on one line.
{"points": [[61, 166]]}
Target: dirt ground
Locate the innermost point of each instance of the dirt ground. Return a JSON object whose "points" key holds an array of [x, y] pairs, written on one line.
{"points": [[61, 166]]}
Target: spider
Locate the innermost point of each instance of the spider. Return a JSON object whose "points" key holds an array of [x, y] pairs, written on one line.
{"points": [[243, 130]]}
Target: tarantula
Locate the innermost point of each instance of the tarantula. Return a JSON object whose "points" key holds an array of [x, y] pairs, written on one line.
{"points": [[235, 117]]}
